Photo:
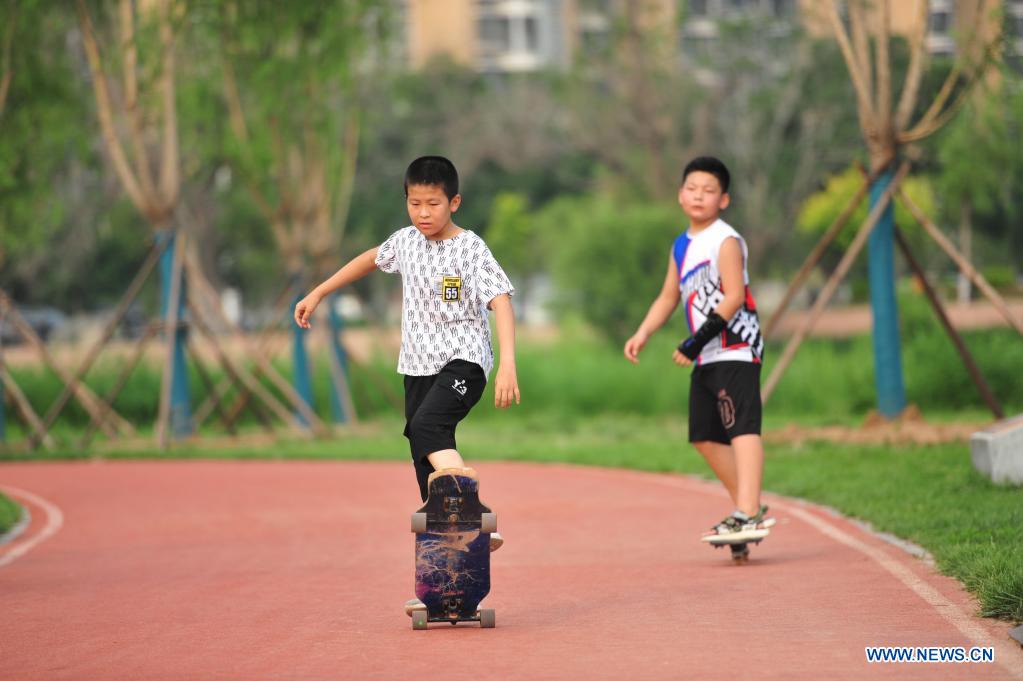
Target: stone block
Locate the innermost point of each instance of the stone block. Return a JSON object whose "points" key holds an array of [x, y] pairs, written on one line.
{"points": [[997, 452]]}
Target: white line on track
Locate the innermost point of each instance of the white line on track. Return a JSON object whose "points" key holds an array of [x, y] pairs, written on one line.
{"points": [[1005, 653], [962, 621], [54, 521]]}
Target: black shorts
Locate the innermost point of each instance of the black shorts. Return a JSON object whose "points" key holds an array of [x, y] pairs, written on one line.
{"points": [[433, 407], [724, 401]]}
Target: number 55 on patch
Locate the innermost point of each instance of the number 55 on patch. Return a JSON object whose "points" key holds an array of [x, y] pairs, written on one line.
{"points": [[452, 287]]}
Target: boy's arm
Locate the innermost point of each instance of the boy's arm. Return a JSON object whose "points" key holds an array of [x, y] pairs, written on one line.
{"points": [[733, 285], [660, 311], [356, 268], [506, 386]]}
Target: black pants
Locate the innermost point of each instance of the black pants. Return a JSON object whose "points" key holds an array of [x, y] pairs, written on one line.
{"points": [[433, 407]]}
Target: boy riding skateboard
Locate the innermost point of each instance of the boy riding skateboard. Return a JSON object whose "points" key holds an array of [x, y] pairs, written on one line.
{"points": [[707, 271], [450, 279]]}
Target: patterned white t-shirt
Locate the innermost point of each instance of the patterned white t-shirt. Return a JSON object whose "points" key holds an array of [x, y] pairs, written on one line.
{"points": [[446, 287]]}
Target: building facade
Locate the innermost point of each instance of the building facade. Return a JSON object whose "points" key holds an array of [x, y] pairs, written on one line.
{"points": [[516, 36]]}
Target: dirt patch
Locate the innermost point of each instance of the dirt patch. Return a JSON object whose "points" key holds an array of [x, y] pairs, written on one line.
{"points": [[910, 428]]}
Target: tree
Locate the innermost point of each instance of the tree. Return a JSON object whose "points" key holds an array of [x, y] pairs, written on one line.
{"points": [[822, 208], [981, 169], [607, 258], [780, 122], [43, 146], [294, 76], [633, 109], [888, 126]]}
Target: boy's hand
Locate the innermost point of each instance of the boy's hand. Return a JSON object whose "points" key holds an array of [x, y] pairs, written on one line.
{"points": [[304, 310], [681, 359], [506, 387], [634, 345]]}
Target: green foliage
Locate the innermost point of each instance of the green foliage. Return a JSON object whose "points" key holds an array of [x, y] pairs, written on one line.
{"points": [[498, 149], [43, 137], [608, 257], [934, 374], [979, 158], [10, 513], [1001, 277], [582, 374], [511, 234], [823, 208], [297, 68]]}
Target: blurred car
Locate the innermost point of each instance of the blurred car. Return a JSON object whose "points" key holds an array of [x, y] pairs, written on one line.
{"points": [[43, 320]]}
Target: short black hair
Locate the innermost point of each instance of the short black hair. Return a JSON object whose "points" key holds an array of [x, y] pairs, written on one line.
{"points": [[712, 165], [435, 171]]}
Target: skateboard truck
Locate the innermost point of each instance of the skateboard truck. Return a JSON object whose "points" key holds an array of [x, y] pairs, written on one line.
{"points": [[452, 606], [452, 506]]}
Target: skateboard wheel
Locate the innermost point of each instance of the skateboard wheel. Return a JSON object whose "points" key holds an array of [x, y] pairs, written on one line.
{"points": [[419, 619], [488, 522], [488, 618], [419, 522]]}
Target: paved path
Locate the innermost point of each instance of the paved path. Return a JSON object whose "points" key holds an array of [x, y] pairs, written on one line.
{"points": [[292, 570]]}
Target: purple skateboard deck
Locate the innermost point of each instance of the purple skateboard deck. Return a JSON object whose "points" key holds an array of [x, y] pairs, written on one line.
{"points": [[453, 551]]}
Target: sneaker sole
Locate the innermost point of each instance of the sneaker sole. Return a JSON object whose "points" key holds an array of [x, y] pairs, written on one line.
{"points": [[736, 537]]}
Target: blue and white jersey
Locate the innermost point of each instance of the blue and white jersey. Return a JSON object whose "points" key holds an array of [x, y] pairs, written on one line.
{"points": [[699, 282]]}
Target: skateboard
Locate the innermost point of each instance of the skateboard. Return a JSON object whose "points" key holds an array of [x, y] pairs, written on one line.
{"points": [[740, 548], [453, 551]]}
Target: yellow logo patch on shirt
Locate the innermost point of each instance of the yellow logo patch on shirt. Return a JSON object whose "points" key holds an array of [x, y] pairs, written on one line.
{"points": [[451, 289]]}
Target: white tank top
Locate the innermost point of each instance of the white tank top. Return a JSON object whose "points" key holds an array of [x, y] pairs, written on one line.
{"points": [[699, 282]]}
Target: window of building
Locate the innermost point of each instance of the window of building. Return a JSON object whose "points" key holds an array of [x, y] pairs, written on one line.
{"points": [[532, 34], [495, 34], [782, 8], [940, 22], [1015, 12], [699, 48]]}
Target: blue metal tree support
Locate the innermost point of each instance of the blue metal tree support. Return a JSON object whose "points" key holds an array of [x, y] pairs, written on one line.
{"points": [[337, 405], [300, 365], [891, 392], [180, 401]]}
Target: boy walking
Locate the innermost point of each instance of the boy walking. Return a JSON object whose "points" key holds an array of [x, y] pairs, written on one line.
{"points": [[449, 281], [707, 270]]}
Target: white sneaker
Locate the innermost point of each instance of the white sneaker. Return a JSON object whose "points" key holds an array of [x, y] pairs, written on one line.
{"points": [[413, 604], [736, 529]]}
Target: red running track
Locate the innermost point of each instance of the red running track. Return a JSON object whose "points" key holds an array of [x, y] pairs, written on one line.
{"points": [[298, 570]]}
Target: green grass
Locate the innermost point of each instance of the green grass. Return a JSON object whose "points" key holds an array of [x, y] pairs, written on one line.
{"points": [[10, 513], [929, 495], [580, 375]]}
